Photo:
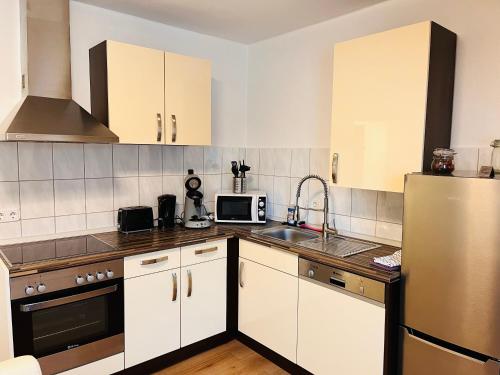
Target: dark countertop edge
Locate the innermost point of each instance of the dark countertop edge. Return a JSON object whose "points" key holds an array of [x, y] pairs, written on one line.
{"points": [[386, 277]]}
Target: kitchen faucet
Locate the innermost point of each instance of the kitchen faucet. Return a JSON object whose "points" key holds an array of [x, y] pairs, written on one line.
{"points": [[326, 229]]}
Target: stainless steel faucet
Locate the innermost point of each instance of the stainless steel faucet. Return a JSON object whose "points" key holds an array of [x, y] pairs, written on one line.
{"points": [[326, 229]]}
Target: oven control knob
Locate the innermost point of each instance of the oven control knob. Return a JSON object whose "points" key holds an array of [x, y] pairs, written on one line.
{"points": [[109, 274], [261, 213], [90, 277], [310, 273], [41, 288], [29, 290], [79, 280], [99, 275], [261, 204]]}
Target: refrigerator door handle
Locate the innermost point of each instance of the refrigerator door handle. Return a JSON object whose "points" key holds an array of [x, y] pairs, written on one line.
{"points": [[424, 357]]}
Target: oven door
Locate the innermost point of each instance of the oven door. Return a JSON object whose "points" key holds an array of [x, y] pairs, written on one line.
{"points": [[65, 329], [236, 209]]}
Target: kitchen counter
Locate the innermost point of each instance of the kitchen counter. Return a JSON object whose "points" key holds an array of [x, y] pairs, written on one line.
{"points": [[123, 245]]}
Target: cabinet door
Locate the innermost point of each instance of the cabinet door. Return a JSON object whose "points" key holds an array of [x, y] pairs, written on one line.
{"points": [[203, 301], [267, 310], [339, 333], [379, 107], [136, 93], [152, 316], [187, 100]]}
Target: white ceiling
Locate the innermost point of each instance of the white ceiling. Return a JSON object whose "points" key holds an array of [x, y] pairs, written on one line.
{"points": [[245, 21]]}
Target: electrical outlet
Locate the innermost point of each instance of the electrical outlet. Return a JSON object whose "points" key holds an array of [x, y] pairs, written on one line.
{"points": [[7, 215]]}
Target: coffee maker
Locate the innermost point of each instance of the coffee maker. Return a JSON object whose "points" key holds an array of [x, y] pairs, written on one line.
{"points": [[194, 210]]}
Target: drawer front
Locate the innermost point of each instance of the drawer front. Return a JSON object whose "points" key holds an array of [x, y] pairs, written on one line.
{"points": [[280, 260], [203, 252], [143, 264]]}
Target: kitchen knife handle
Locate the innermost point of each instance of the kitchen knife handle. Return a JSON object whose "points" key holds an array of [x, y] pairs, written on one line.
{"points": [[174, 128], [174, 282], [160, 127], [335, 164], [190, 283]]}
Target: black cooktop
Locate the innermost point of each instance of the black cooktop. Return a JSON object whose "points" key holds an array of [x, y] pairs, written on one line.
{"points": [[69, 247]]}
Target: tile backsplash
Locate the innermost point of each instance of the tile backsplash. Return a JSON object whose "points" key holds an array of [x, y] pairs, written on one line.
{"points": [[59, 188]]}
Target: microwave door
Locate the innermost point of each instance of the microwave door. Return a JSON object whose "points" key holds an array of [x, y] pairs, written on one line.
{"points": [[234, 208]]}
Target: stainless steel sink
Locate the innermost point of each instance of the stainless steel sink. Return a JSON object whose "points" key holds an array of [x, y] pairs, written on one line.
{"points": [[287, 234]]}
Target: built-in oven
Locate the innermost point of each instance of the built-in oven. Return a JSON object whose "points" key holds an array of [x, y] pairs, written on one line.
{"points": [[69, 317]]}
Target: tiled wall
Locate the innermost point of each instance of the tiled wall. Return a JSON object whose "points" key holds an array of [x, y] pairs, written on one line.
{"points": [[62, 188]]}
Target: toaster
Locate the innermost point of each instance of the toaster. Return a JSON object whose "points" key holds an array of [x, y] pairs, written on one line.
{"points": [[135, 219]]}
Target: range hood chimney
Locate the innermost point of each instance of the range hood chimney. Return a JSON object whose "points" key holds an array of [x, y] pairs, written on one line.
{"points": [[48, 113]]}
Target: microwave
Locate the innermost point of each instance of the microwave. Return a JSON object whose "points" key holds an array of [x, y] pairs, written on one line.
{"points": [[248, 207]]}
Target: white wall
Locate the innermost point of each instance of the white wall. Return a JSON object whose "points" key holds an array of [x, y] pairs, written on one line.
{"points": [[290, 76], [10, 60], [91, 25]]}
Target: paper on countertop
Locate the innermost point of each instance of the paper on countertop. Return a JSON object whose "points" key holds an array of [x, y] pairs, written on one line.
{"points": [[389, 261]]}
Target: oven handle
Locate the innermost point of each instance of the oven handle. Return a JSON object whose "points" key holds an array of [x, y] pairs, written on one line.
{"points": [[69, 299]]}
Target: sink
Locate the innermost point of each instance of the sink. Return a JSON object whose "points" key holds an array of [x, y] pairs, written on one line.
{"points": [[287, 234]]}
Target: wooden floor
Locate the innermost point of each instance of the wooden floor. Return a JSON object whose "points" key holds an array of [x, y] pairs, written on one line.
{"points": [[230, 358]]}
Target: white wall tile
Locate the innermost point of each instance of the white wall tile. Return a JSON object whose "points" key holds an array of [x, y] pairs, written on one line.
{"points": [[125, 160], [35, 161], [212, 160], [389, 230], [9, 195], [304, 192], [266, 184], [341, 222], [314, 218], [319, 162], [466, 158], [174, 185], [229, 154], [266, 161], [8, 161], [340, 200], [316, 194], [173, 160], [126, 192], [68, 161], [252, 182], [390, 207], [210, 206], [252, 160], [212, 185], [281, 190], [98, 160], [99, 194], [282, 162], [227, 182], [150, 160], [193, 159], [149, 190], [363, 226], [38, 227], [10, 230], [300, 162], [100, 220], [71, 223], [37, 199], [280, 212], [364, 204], [69, 197]]}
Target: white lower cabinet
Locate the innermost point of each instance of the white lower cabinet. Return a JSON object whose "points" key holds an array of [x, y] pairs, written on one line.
{"points": [[203, 312], [152, 316], [267, 310], [339, 333]]}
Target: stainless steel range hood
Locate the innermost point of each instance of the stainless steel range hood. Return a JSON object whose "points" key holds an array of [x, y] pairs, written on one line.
{"points": [[48, 114]]}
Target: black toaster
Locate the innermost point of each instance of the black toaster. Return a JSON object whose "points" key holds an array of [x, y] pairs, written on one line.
{"points": [[135, 219]]}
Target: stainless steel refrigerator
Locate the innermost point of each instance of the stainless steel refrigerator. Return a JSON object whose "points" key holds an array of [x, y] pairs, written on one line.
{"points": [[450, 318]]}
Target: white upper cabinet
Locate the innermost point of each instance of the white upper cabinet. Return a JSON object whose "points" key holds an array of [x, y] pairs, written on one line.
{"points": [[392, 104], [149, 96]]}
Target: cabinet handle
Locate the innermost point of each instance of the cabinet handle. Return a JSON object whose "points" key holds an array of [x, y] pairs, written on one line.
{"points": [[146, 262], [190, 283], [174, 128], [204, 251], [241, 274], [174, 282], [160, 127], [335, 164]]}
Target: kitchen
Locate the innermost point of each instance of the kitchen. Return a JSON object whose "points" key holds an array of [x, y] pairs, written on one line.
{"points": [[273, 98]]}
